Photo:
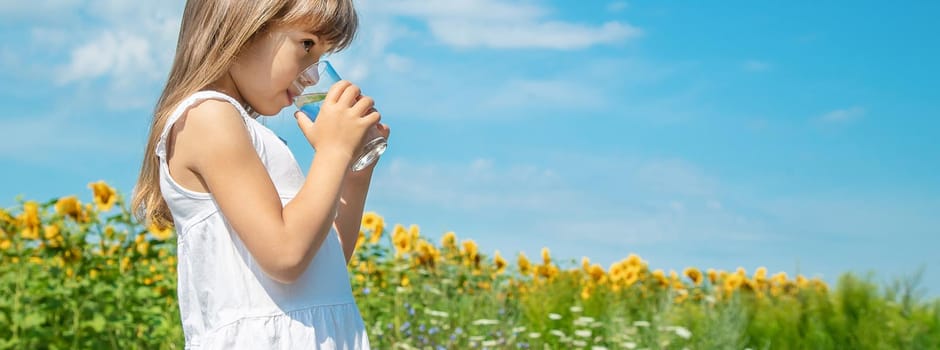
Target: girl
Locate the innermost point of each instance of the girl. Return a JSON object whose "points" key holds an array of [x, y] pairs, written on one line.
{"points": [[262, 249]]}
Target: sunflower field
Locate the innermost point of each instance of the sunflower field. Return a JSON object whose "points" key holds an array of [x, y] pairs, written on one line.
{"points": [[87, 276]]}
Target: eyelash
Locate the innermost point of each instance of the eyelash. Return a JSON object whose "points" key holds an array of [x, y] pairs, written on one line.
{"points": [[308, 44]]}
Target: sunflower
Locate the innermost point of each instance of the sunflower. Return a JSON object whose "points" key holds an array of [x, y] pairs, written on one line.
{"points": [[693, 274], [30, 220], [159, 233], [105, 196], [449, 241], [499, 262], [525, 267]]}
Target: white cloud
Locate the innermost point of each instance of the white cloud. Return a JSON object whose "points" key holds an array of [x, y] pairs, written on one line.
{"points": [[842, 116], [478, 10], [398, 63], [126, 58], [756, 66], [120, 49], [537, 35], [555, 94], [505, 25], [674, 176]]}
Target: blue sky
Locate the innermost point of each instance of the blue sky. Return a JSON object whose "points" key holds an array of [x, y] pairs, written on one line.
{"points": [[797, 137]]}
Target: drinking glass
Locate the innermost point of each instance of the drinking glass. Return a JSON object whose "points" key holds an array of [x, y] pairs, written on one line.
{"points": [[313, 83]]}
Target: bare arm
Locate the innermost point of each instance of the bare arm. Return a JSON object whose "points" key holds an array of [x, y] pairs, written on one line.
{"points": [[352, 204], [282, 239]]}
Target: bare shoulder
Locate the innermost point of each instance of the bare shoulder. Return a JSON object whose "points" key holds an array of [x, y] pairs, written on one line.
{"points": [[211, 129]]}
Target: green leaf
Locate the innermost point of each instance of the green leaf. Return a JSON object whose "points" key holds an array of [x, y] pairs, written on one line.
{"points": [[97, 323]]}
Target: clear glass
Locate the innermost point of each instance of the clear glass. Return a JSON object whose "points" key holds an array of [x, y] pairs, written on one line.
{"points": [[313, 83]]}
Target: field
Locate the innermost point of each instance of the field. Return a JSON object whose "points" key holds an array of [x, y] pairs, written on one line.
{"points": [[86, 276]]}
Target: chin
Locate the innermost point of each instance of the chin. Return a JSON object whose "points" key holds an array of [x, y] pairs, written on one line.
{"points": [[268, 110]]}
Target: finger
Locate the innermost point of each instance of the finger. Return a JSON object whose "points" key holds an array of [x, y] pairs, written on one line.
{"points": [[336, 90], [364, 106], [303, 121], [372, 118], [350, 95], [386, 131]]}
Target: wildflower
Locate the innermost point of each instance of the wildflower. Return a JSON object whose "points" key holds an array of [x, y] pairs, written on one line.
{"points": [[660, 277], [405, 281], [449, 241], [143, 248], [159, 233], [104, 196], [360, 239], [586, 292], [683, 333], [634, 260], [819, 285], [576, 309], [374, 223], [436, 313], [693, 274], [524, 265], [53, 236], [401, 241], [546, 256], [596, 272], [554, 316], [414, 232], [69, 206], [760, 273], [780, 278], [641, 323], [583, 321], [499, 262], [535, 335], [428, 255], [30, 220], [630, 276], [712, 276], [583, 333], [585, 264], [369, 219], [801, 281], [485, 322], [557, 333], [5, 217], [469, 247]]}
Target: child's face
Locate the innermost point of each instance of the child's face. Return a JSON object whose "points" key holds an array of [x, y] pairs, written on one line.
{"points": [[267, 66]]}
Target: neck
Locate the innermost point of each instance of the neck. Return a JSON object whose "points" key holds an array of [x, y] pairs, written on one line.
{"points": [[226, 85]]}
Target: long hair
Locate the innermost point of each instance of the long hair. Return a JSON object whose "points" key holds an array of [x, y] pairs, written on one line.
{"points": [[212, 34]]}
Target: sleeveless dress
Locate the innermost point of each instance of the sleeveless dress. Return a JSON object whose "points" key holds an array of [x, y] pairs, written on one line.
{"points": [[226, 301]]}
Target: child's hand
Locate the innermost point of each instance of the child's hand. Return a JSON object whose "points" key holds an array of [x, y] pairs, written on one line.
{"points": [[344, 118]]}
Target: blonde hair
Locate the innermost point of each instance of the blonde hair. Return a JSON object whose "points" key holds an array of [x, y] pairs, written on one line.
{"points": [[212, 34]]}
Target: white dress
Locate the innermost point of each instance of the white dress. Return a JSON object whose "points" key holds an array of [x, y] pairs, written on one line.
{"points": [[225, 300]]}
